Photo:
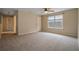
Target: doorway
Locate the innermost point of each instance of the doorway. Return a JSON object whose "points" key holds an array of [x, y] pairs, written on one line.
{"points": [[8, 25]]}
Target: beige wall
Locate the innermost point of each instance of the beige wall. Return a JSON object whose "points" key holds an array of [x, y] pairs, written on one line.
{"points": [[0, 27], [38, 23], [28, 22], [70, 23], [78, 27], [0, 30]]}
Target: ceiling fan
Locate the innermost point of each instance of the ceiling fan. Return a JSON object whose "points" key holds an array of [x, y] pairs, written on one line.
{"points": [[47, 10]]}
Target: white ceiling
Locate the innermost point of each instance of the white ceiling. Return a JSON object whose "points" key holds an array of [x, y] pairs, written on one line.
{"points": [[40, 10], [36, 10]]}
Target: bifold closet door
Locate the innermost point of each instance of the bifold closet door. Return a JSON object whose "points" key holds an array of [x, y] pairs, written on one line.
{"points": [[8, 24]]}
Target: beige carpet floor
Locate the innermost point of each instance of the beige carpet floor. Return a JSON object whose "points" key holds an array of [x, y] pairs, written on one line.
{"points": [[40, 41]]}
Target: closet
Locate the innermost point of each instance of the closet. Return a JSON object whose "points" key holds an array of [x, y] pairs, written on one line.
{"points": [[7, 21], [8, 24]]}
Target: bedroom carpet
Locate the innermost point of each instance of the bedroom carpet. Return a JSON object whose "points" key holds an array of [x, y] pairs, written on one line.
{"points": [[39, 41]]}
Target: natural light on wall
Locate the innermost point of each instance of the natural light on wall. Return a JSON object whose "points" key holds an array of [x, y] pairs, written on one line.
{"points": [[55, 21]]}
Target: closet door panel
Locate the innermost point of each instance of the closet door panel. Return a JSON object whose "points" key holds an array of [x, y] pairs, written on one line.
{"points": [[5, 23], [10, 24]]}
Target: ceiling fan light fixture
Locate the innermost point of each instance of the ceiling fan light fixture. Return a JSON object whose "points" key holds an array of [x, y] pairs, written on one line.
{"points": [[46, 12]]}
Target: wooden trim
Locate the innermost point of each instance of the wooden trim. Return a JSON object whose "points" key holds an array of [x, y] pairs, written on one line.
{"points": [[14, 24]]}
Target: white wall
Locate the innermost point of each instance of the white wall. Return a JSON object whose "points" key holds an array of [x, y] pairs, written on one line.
{"points": [[70, 23], [28, 22]]}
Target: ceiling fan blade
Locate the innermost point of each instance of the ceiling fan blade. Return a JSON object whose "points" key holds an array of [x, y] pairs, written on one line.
{"points": [[51, 10]]}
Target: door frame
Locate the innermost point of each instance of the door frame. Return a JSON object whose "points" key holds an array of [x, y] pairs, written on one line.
{"points": [[1, 20]]}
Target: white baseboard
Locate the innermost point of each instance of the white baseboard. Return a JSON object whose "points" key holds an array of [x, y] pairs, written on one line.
{"points": [[26, 33]]}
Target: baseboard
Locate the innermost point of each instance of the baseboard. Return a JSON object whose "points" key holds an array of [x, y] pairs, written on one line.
{"points": [[26, 33]]}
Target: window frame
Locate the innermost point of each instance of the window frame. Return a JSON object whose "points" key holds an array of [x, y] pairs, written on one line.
{"points": [[55, 22]]}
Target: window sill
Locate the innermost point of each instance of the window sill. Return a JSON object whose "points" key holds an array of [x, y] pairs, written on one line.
{"points": [[55, 28]]}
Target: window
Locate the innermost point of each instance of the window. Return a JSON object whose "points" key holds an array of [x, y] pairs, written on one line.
{"points": [[55, 21]]}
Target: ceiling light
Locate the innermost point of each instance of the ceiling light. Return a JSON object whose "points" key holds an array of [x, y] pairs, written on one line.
{"points": [[46, 12]]}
